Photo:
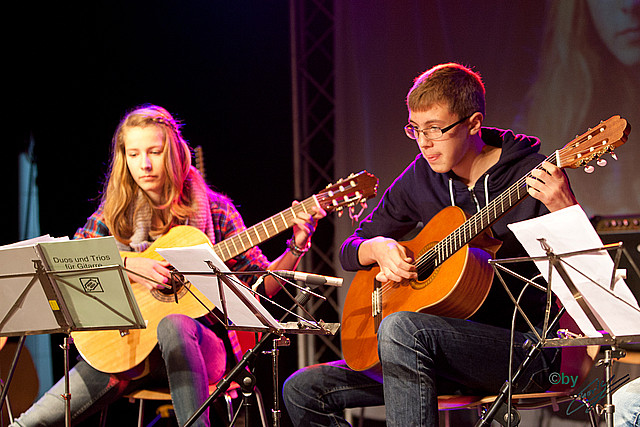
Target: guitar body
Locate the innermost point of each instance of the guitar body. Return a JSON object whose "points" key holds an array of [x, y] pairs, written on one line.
{"points": [[118, 351], [456, 288]]}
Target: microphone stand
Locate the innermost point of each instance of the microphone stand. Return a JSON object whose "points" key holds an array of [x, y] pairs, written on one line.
{"points": [[246, 379]]}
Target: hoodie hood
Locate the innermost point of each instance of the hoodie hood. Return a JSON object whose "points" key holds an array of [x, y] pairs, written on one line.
{"points": [[518, 157]]}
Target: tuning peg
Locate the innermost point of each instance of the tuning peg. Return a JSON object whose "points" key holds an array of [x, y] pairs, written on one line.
{"points": [[601, 162], [613, 156], [589, 169]]}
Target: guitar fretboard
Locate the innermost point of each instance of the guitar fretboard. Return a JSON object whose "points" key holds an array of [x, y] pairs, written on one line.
{"points": [[476, 224], [252, 236]]}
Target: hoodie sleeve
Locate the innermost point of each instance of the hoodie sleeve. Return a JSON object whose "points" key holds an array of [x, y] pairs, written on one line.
{"points": [[394, 216]]}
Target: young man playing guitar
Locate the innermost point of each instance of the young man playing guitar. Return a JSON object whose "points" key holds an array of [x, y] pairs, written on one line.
{"points": [[422, 355], [152, 188]]}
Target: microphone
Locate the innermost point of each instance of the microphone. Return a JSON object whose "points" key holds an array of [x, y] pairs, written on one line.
{"points": [[308, 278]]}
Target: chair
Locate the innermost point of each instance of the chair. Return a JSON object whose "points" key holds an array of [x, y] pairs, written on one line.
{"points": [[575, 361], [247, 340], [163, 394]]}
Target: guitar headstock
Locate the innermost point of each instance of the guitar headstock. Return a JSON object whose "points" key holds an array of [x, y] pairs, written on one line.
{"points": [[350, 191], [592, 144], [199, 159]]}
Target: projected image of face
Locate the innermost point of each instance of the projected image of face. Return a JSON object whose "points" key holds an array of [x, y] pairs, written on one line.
{"points": [[618, 24]]}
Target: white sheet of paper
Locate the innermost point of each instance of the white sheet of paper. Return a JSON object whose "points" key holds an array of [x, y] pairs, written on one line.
{"points": [[192, 259], [569, 230]]}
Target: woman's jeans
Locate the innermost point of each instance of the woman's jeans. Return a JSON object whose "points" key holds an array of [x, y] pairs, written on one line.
{"points": [[193, 357], [421, 356]]}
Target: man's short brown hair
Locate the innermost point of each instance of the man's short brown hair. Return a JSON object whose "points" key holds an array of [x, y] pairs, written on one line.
{"points": [[451, 84]]}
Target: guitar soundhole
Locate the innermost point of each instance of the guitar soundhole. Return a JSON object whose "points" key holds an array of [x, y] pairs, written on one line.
{"points": [[427, 271], [424, 273], [178, 282]]}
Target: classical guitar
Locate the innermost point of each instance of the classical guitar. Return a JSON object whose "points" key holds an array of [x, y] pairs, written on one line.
{"points": [[451, 254], [119, 351]]}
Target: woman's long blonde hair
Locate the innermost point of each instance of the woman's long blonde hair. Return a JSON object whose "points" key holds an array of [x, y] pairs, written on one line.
{"points": [[121, 191]]}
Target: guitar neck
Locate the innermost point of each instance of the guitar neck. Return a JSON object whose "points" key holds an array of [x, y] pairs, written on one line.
{"points": [[262, 231], [483, 219]]}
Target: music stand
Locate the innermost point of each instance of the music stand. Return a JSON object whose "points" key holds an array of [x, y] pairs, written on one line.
{"points": [[584, 285], [61, 286], [242, 311]]}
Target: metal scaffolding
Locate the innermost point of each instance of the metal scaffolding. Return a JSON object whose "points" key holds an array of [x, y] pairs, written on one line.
{"points": [[312, 24]]}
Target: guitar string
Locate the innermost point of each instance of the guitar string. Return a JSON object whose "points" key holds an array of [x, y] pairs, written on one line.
{"points": [[285, 218], [447, 246], [242, 241]]}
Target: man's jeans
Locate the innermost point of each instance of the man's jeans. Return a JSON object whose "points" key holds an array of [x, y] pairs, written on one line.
{"points": [[422, 356]]}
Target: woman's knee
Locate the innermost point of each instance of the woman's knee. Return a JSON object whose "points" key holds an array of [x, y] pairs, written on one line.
{"points": [[175, 327]]}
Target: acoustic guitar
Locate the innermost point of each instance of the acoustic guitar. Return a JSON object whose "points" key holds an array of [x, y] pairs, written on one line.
{"points": [[118, 351], [451, 254]]}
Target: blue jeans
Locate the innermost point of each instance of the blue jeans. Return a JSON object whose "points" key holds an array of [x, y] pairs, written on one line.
{"points": [[421, 356], [193, 356], [627, 405]]}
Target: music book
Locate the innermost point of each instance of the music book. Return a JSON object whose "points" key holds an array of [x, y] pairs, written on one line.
{"points": [[58, 285], [569, 230]]}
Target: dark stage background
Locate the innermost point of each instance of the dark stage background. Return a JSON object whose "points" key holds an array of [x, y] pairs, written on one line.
{"points": [[222, 67], [551, 69]]}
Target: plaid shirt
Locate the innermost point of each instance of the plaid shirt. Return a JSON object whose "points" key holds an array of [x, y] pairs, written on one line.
{"points": [[226, 223]]}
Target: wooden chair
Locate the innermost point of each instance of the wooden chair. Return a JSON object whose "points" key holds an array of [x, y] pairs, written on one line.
{"points": [[162, 394], [247, 340], [575, 361]]}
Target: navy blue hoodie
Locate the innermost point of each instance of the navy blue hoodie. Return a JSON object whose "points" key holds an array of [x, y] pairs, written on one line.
{"points": [[419, 193]]}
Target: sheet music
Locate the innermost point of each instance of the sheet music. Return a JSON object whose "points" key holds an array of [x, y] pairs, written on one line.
{"points": [[23, 305], [72, 291], [192, 259], [569, 230], [33, 241]]}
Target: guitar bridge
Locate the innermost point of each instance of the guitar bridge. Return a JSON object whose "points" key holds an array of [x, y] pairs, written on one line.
{"points": [[376, 304]]}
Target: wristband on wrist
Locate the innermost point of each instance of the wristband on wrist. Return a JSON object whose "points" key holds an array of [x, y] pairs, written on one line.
{"points": [[295, 250]]}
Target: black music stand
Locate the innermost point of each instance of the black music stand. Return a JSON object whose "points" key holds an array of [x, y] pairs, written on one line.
{"points": [[581, 295], [45, 288], [242, 311]]}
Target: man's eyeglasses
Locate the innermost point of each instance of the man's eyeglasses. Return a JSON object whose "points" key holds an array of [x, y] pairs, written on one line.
{"points": [[433, 132]]}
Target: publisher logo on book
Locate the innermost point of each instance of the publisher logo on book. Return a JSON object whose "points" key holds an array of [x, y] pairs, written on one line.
{"points": [[91, 285]]}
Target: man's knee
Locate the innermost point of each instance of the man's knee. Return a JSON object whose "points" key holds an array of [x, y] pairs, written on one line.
{"points": [[396, 325], [403, 329]]}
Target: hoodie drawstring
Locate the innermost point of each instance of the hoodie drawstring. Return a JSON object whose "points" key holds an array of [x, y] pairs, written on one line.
{"points": [[453, 202], [473, 195], [486, 189]]}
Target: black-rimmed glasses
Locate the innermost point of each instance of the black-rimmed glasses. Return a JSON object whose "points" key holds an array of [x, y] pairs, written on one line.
{"points": [[433, 132]]}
